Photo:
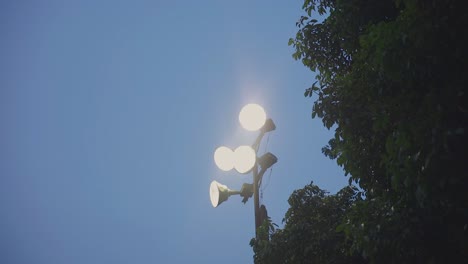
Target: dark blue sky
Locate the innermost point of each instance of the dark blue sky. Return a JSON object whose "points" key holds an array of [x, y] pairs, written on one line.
{"points": [[110, 113]]}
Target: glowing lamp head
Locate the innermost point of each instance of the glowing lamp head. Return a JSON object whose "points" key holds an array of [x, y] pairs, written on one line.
{"points": [[214, 193], [252, 117], [224, 158], [244, 159], [220, 193]]}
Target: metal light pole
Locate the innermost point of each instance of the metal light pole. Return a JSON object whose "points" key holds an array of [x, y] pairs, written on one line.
{"points": [[265, 162], [256, 187], [225, 160]]}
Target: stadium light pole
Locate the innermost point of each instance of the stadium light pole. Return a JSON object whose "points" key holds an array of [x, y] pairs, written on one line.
{"points": [[245, 159]]}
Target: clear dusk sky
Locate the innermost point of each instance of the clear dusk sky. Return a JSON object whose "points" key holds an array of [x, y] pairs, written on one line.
{"points": [[110, 114]]}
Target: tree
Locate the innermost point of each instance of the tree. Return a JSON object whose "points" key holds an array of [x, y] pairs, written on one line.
{"points": [[392, 83], [309, 234]]}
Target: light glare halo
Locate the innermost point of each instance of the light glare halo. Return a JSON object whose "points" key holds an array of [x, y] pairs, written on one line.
{"points": [[252, 117], [244, 159], [224, 158], [214, 193]]}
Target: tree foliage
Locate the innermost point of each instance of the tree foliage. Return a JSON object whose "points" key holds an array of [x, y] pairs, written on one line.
{"points": [[310, 233], [392, 83]]}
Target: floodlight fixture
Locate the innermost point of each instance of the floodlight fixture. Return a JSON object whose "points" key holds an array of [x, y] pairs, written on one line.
{"points": [[246, 191], [220, 193], [268, 126], [267, 160], [252, 117], [244, 159], [224, 158]]}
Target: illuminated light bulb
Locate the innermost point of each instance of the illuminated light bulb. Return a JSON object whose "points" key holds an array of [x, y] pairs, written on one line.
{"points": [[224, 158], [244, 159], [252, 117], [220, 193], [214, 193]]}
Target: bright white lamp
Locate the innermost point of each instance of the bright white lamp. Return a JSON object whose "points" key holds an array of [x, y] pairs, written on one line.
{"points": [[244, 159], [220, 193], [252, 117], [224, 158], [214, 193]]}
